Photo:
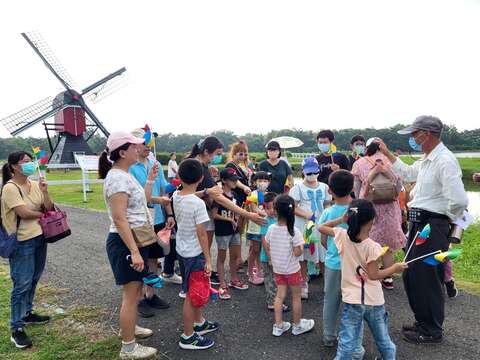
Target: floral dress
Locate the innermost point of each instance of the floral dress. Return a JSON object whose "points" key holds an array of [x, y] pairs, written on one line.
{"points": [[387, 226]]}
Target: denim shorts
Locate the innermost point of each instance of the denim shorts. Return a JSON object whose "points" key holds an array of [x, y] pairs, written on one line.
{"points": [[224, 242]]}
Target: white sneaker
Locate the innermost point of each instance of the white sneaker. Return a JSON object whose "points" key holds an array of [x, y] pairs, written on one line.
{"points": [[279, 330], [304, 326], [304, 292], [139, 352], [172, 279], [182, 294], [140, 332]]}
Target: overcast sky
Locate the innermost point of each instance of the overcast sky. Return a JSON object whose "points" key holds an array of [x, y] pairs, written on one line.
{"points": [[251, 66]]}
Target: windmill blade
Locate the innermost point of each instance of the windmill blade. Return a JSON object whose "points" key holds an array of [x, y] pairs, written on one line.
{"points": [[39, 45], [26, 118], [107, 86], [93, 118]]}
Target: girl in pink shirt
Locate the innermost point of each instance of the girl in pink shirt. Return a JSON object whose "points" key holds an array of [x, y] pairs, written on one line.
{"points": [[362, 293]]}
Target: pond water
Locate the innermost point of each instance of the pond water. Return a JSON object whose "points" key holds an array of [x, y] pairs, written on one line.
{"points": [[473, 197]]}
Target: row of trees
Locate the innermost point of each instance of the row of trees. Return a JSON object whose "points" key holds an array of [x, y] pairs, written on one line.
{"points": [[468, 140]]}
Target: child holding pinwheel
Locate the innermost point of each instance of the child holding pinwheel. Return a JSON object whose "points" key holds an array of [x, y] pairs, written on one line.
{"points": [[362, 293], [310, 197]]}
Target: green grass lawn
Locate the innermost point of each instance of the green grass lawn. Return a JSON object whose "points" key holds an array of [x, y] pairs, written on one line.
{"points": [[74, 335]]}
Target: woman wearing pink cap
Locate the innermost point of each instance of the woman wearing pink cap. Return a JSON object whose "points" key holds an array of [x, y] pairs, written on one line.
{"points": [[127, 209]]}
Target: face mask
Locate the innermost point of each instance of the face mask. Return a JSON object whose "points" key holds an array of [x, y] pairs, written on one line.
{"points": [[311, 178], [217, 159], [262, 186], [413, 144], [360, 149], [29, 168], [324, 148]]}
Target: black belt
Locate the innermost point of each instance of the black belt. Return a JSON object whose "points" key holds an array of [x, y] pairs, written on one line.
{"points": [[421, 216]]}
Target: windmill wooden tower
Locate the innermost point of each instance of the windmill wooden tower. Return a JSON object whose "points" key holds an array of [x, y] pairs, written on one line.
{"points": [[74, 122]]}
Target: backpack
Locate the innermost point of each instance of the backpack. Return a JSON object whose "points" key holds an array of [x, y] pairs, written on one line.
{"points": [[381, 189], [8, 242]]}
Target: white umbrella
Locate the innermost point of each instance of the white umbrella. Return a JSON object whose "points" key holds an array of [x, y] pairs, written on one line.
{"points": [[287, 142]]}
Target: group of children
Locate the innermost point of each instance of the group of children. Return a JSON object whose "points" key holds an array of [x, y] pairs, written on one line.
{"points": [[314, 223]]}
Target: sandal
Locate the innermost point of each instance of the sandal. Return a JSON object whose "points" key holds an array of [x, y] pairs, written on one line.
{"points": [[285, 308], [224, 294], [238, 284]]}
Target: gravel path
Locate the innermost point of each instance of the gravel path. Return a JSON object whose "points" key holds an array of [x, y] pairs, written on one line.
{"points": [[80, 264]]}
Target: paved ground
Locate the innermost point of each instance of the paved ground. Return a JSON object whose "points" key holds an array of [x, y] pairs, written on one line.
{"points": [[79, 263]]}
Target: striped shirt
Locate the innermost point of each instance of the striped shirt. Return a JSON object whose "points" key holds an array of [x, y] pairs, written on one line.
{"points": [[190, 211], [281, 249]]}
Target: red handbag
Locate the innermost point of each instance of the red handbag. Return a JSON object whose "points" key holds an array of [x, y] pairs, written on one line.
{"points": [[54, 225]]}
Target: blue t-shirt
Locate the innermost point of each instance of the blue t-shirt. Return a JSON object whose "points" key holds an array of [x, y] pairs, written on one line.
{"points": [[332, 258], [263, 232], [140, 173]]}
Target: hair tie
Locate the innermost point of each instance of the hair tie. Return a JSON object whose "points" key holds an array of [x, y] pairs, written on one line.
{"points": [[200, 143], [353, 210]]}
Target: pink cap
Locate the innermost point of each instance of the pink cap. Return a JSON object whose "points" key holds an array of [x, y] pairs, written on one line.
{"points": [[119, 138]]}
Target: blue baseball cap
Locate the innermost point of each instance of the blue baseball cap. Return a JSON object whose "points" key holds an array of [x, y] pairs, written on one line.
{"points": [[310, 165]]}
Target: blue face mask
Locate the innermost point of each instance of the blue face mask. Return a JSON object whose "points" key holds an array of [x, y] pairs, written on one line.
{"points": [[29, 168], [324, 148], [360, 149], [413, 144], [217, 159]]}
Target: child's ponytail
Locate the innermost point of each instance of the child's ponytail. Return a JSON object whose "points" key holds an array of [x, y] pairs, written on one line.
{"points": [[359, 213], [285, 208]]}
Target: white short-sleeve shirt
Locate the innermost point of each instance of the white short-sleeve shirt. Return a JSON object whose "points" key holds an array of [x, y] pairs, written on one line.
{"points": [[119, 181], [281, 249], [190, 211]]}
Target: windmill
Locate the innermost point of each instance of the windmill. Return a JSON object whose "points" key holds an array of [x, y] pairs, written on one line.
{"points": [[74, 122]]}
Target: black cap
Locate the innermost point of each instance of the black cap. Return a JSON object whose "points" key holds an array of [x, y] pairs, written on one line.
{"points": [[273, 145], [229, 174]]}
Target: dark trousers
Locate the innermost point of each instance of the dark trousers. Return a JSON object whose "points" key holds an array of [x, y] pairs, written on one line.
{"points": [[169, 263], [423, 282]]}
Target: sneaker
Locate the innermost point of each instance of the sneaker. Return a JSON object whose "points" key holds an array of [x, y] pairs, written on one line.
{"points": [[329, 343], [304, 292], [144, 310], [387, 283], [20, 339], [172, 279], [255, 280], [206, 327], [415, 337], [304, 326], [157, 303], [34, 319], [223, 294], [411, 328], [139, 352], [195, 342], [214, 280], [238, 284], [452, 291], [182, 294], [140, 332], [279, 330]]}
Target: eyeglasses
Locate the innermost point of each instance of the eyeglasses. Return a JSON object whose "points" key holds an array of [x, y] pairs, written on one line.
{"points": [[313, 173], [242, 154]]}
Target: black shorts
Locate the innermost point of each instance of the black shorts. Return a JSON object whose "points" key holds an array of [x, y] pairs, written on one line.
{"points": [[117, 253], [155, 251]]}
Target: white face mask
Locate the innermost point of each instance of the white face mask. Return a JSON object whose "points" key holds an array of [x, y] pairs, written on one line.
{"points": [[262, 186], [311, 178]]}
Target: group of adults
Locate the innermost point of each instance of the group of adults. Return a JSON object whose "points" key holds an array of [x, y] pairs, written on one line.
{"points": [[438, 198]]}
